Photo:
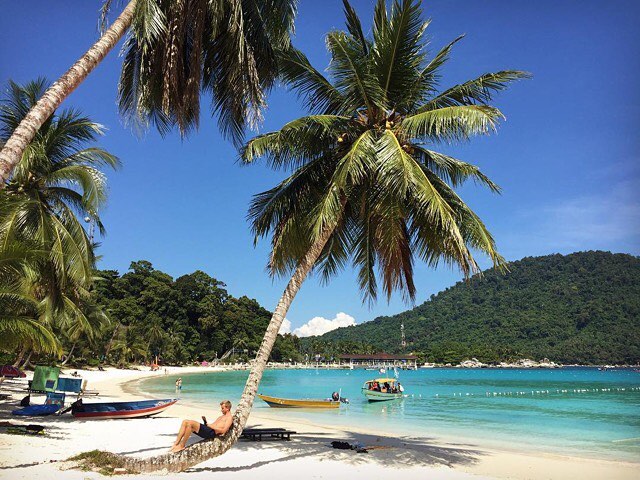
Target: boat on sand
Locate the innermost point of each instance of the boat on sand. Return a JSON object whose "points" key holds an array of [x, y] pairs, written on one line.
{"points": [[136, 409]]}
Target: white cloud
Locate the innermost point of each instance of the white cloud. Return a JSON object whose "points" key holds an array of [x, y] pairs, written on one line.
{"points": [[608, 221], [601, 221], [320, 325], [285, 327]]}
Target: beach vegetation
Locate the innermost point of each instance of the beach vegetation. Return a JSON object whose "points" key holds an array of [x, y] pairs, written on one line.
{"points": [[46, 256], [365, 186], [99, 461], [173, 52], [178, 321]]}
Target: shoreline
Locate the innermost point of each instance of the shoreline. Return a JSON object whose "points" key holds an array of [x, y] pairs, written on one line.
{"points": [[129, 386], [134, 387], [413, 458]]}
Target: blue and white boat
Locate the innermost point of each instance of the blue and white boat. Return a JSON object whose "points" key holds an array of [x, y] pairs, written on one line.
{"points": [[143, 408]]}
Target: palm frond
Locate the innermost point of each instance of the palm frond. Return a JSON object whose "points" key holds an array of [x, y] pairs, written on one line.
{"points": [[297, 142], [318, 93], [354, 26], [17, 330], [453, 170], [352, 74], [477, 91], [398, 50], [365, 179], [350, 169], [178, 50], [426, 81], [451, 124]]}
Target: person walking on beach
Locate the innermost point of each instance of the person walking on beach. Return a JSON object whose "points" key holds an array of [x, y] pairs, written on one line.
{"points": [[205, 430]]}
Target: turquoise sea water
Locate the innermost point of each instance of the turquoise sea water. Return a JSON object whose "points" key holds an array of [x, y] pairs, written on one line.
{"points": [[575, 411]]}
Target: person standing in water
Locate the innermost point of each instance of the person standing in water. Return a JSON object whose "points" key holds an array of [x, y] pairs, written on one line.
{"points": [[179, 384]]}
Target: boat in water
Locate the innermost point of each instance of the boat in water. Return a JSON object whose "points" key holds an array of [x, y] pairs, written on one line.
{"points": [[136, 409], [382, 389], [276, 402]]}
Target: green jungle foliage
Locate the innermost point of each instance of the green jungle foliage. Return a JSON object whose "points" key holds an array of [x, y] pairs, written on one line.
{"points": [[579, 308], [191, 318]]}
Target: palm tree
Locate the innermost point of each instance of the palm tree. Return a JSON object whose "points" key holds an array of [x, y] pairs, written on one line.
{"points": [[223, 47], [175, 50], [49, 101], [82, 319], [20, 325], [129, 347], [56, 181], [365, 185]]}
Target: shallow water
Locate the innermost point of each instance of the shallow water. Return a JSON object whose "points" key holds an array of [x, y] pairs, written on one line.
{"points": [[575, 411]]}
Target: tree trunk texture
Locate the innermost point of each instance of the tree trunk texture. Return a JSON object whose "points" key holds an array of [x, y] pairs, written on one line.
{"points": [[69, 354], [25, 364], [201, 451], [18, 361], [25, 132], [113, 336]]}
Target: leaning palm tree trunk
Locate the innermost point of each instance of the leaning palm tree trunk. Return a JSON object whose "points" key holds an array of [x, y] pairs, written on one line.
{"points": [[25, 132], [113, 336], [21, 355], [69, 354], [27, 361], [177, 462]]}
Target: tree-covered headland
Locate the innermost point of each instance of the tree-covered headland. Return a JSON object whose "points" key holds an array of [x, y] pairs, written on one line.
{"points": [[579, 308]]}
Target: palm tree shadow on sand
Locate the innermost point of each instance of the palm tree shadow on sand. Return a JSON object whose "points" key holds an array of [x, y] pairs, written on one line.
{"points": [[383, 451]]}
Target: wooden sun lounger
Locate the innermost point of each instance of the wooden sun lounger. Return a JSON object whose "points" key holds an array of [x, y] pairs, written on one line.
{"points": [[273, 433]]}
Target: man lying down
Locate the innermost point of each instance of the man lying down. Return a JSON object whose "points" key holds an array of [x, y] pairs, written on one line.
{"points": [[220, 426]]}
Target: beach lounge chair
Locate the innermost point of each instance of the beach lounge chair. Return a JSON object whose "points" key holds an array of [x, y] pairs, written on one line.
{"points": [[269, 433], [70, 385], [45, 379]]}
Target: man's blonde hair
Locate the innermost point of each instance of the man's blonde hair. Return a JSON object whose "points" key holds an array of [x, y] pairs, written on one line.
{"points": [[226, 403]]}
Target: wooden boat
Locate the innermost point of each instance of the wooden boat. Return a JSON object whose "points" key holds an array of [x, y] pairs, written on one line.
{"points": [[300, 403], [37, 410], [144, 408], [374, 394]]}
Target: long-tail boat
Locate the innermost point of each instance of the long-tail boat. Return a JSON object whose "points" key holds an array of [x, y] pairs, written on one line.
{"points": [[302, 402], [136, 409]]}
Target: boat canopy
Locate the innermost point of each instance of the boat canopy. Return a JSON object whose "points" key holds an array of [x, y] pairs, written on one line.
{"points": [[382, 380]]}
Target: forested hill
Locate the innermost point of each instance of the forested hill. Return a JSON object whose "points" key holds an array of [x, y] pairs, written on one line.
{"points": [[578, 308], [190, 318]]}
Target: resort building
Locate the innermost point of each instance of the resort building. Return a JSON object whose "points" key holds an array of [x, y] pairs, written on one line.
{"points": [[379, 360]]}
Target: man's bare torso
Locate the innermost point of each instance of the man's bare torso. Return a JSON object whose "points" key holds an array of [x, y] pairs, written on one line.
{"points": [[221, 424]]}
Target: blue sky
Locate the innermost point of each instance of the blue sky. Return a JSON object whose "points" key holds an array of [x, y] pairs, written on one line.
{"points": [[567, 156]]}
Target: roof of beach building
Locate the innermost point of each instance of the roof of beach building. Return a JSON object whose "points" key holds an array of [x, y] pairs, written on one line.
{"points": [[378, 356]]}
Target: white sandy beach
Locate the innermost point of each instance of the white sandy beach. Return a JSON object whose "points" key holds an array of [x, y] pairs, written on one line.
{"points": [[307, 455]]}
